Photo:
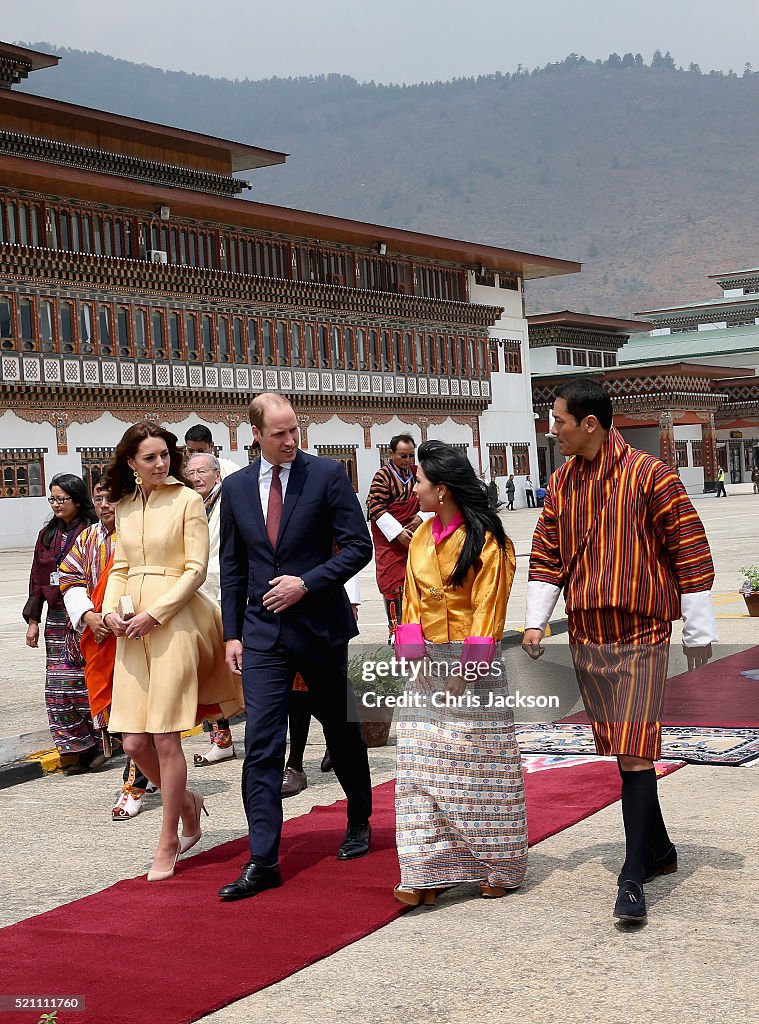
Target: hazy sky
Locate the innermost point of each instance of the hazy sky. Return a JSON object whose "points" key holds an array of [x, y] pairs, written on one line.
{"points": [[389, 40]]}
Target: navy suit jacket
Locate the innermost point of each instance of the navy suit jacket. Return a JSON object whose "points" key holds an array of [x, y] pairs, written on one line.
{"points": [[321, 510]]}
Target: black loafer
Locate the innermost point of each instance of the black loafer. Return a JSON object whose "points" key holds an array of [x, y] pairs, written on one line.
{"points": [[254, 879], [655, 866], [355, 842], [631, 903], [326, 765]]}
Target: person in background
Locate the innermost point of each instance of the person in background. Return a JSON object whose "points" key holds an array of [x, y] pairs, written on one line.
{"points": [[393, 511], [755, 479], [199, 441], [84, 575], [460, 803], [493, 496], [721, 492], [295, 780], [169, 653], [68, 708], [510, 488], [619, 535], [529, 492], [204, 473]]}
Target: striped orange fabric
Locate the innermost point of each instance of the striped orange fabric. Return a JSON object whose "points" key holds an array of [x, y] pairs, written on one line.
{"points": [[621, 532], [622, 683]]}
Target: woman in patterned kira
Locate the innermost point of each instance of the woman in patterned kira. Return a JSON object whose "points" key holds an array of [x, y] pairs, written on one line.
{"points": [[460, 807]]}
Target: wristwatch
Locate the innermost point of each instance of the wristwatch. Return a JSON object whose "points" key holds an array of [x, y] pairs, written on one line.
{"points": [[303, 586]]}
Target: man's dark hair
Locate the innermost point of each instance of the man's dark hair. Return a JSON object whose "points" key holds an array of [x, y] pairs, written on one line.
{"points": [[395, 441], [587, 398], [199, 433]]}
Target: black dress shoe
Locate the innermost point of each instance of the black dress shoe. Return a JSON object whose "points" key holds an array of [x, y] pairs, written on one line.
{"points": [[254, 879], [654, 866], [326, 765], [631, 903], [355, 842]]}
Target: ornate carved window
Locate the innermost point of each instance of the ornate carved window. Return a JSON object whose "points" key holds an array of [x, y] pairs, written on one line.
{"points": [[564, 356], [520, 453], [498, 463], [512, 359], [681, 454], [23, 472], [7, 322], [697, 451], [346, 455], [95, 462]]}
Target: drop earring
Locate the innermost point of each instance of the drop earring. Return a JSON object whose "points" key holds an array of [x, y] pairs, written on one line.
{"points": [[440, 499], [137, 478]]}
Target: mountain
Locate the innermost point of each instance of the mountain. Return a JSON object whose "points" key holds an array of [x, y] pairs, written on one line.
{"points": [[646, 174]]}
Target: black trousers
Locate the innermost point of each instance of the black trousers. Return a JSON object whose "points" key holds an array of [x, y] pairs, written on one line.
{"points": [[530, 495], [267, 680], [721, 492]]}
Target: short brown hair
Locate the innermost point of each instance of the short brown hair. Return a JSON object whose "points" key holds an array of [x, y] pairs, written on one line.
{"points": [[261, 403]]}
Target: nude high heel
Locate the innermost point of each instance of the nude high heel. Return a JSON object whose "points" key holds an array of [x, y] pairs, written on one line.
{"points": [[187, 842], [161, 876]]}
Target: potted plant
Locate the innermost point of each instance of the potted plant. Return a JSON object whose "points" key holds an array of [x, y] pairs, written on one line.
{"points": [[750, 588], [371, 687]]}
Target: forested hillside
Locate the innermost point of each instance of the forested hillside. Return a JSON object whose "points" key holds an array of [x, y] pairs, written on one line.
{"points": [[646, 173]]}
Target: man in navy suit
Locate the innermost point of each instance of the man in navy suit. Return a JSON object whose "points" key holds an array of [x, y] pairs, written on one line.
{"points": [[285, 610]]}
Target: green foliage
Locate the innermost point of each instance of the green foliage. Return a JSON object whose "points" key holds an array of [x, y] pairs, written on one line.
{"points": [[750, 582]]}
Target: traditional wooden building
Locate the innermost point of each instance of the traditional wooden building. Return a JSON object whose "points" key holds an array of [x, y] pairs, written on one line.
{"points": [[135, 283], [673, 400]]}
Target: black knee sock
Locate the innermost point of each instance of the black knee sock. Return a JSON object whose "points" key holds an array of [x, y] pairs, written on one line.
{"points": [[658, 837], [639, 800], [299, 721]]}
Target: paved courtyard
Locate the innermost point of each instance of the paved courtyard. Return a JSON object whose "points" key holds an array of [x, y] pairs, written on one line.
{"points": [[548, 953]]}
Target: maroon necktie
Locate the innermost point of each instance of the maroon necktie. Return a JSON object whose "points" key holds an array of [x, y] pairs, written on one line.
{"points": [[274, 508]]}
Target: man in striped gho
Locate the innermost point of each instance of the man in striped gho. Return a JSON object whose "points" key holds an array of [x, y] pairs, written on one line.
{"points": [[619, 535], [393, 510]]}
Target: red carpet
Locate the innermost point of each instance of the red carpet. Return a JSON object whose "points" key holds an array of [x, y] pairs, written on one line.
{"points": [[170, 953], [715, 695]]}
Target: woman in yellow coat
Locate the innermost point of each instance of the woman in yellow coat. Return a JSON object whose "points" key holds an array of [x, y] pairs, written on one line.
{"points": [[460, 808], [170, 654]]}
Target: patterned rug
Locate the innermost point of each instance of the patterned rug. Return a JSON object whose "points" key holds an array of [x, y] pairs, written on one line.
{"points": [[692, 744]]}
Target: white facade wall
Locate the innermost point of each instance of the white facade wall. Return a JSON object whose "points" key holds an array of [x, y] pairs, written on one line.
{"points": [[22, 518], [691, 476], [543, 360], [510, 417]]}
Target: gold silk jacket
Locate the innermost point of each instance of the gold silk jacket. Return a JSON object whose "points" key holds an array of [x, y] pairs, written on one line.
{"points": [[447, 614]]}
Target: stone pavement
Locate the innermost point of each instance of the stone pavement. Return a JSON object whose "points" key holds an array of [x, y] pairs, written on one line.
{"points": [[547, 953]]}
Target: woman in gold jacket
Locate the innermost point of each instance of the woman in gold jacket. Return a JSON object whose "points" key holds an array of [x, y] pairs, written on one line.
{"points": [[460, 808], [170, 669]]}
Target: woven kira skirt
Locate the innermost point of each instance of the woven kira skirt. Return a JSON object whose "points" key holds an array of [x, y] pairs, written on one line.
{"points": [[460, 804]]}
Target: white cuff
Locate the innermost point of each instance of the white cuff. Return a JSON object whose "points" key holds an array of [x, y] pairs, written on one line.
{"points": [[77, 605], [389, 526], [699, 623], [353, 590], [541, 601]]}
